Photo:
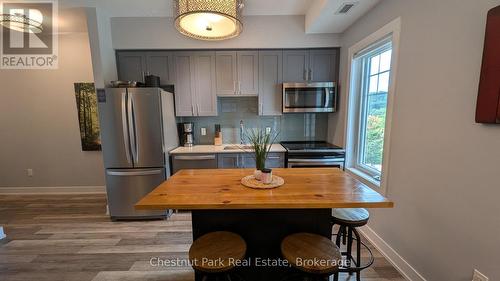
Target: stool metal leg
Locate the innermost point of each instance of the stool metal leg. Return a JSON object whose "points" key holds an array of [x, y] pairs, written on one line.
{"points": [[358, 253], [349, 245], [339, 234]]}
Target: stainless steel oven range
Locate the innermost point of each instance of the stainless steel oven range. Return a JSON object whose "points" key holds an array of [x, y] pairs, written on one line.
{"points": [[313, 154]]}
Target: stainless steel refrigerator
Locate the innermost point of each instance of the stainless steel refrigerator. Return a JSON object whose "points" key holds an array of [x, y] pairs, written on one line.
{"points": [[138, 129]]}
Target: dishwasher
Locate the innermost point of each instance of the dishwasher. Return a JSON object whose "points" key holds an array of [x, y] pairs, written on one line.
{"points": [[193, 161]]}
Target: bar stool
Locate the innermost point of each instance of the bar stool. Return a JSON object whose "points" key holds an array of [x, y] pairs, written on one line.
{"points": [[348, 220], [302, 249], [214, 254]]}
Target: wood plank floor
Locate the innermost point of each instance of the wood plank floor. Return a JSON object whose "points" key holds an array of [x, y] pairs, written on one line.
{"points": [[70, 238]]}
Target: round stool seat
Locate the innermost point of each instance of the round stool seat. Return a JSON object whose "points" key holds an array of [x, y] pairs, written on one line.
{"points": [[216, 252], [311, 253], [351, 217]]}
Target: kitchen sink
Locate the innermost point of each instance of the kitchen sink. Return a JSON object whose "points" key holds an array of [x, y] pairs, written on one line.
{"points": [[238, 147]]}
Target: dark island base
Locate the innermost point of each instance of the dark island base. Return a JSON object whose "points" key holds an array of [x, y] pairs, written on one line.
{"points": [[263, 231]]}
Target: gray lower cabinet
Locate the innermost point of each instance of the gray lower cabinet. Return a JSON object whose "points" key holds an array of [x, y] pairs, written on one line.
{"points": [[246, 160], [270, 80], [193, 161], [228, 161]]}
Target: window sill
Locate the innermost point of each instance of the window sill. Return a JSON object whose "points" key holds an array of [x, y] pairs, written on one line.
{"points": [[365, 178]]}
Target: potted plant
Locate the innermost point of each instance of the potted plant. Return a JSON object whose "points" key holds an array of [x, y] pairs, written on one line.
{"points": [[261, 143]]}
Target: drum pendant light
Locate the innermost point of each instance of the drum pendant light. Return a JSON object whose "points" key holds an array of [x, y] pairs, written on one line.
{"points": [[208, 19]]}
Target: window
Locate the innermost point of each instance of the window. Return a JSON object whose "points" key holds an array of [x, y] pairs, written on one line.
{"points": [[375, 74], [370, 81], [371, 87]]}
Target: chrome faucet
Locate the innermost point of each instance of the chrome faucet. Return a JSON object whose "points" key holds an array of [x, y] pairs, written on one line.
{"points": [[242, 127]]}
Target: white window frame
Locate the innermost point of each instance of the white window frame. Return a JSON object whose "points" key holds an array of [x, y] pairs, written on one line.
{"points": [[392, 31]]}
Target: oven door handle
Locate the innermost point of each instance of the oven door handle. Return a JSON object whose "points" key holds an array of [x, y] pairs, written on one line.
{"points": [[315, 162]]}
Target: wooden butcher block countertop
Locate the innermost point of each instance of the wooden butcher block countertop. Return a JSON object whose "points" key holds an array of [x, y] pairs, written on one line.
{"points": [[303, 189]]}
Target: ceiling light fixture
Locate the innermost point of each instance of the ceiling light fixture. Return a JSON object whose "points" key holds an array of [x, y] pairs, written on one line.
{"points": [[208, 19], [22, 23]]}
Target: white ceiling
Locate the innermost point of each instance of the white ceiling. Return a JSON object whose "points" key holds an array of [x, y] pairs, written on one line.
{"points": [[320, 14]]}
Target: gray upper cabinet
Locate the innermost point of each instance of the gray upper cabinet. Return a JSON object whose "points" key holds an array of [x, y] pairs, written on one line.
{"points": [[323, 65], [194, 76], [183, 75], [225, 64], [131, 66], [310, 65], [295, 65], [200, 76], [248, 73], [237, 73], [270, 80], [160, 63], [205, 98]]}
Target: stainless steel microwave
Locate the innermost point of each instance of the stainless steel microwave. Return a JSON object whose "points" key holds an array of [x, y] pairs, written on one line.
{"points": [[309, 97]]}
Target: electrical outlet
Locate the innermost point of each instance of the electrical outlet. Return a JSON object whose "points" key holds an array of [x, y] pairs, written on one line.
{"points": [[29, 172], [203, 131], [478, 276], [268, 130]]}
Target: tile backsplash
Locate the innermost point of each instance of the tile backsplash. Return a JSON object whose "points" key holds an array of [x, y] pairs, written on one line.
{"points": [[291, 127]]}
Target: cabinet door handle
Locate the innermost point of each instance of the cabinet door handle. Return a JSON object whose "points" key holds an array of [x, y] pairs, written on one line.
{"points": [[305, 74], [195, 157], [192, 110], [310, 74], [239, 87], [274, 157], [234, 86], [197, 110]]}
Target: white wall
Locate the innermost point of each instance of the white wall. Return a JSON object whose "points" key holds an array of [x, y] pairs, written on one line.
{"points": [[258, 32], [444, 171], [39, 121]]}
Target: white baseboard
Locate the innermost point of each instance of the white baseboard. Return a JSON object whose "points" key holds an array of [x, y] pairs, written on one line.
{"points": [[53, 190], [2, 234], [408, 272]]}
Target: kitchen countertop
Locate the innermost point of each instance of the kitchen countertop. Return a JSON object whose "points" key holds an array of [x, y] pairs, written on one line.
{"points": [[222, 189], [277, 148]]}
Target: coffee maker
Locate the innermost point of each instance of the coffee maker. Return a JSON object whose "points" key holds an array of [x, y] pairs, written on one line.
{"points": [[187, 134]]}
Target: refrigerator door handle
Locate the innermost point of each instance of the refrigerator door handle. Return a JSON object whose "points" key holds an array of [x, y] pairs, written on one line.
{"points": [[134, 173], [125, 127], [132, 126]]}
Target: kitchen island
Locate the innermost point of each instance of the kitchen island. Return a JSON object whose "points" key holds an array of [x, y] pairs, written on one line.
{"points": [[219, 201]]}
